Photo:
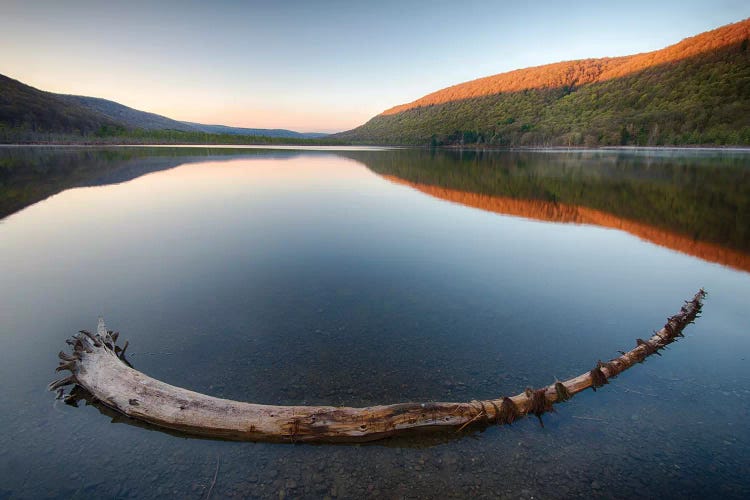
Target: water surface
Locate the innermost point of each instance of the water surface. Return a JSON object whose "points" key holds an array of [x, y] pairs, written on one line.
{"points": [[363, 277]]}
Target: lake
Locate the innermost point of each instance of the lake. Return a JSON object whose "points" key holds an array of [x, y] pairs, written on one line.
{"points": [[367, 276]]}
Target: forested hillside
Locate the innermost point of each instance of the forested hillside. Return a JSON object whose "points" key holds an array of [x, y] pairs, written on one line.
{"points": [[694, 92], [24, 108]]}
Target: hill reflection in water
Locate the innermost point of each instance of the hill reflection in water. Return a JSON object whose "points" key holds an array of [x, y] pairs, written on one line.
{"points": [[562, 213], [694, 202]]}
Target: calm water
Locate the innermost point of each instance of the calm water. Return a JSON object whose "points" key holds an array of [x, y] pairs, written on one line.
{"points": [[360, 277]]}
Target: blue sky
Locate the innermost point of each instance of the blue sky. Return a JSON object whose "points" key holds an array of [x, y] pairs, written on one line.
{"points": [[317, 66]]}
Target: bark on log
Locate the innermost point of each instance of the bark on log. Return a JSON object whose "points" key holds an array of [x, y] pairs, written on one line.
{"points": [[98, 365]]}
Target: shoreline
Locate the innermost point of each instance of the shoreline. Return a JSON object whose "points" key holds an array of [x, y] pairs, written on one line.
{"points": [[345, 147], [311, 147], [737, 148]]}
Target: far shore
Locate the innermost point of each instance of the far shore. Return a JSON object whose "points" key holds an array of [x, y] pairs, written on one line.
{"points": [[333, 146], [336, 145]]}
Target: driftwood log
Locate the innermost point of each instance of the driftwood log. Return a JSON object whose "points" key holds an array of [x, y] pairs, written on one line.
{"points": [[98, 365]]}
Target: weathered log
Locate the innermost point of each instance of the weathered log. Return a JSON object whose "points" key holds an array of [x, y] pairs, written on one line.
{"points": [[98, 365]]}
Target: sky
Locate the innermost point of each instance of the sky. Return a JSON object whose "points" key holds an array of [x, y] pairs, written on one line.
{"points": [[317, 66]]}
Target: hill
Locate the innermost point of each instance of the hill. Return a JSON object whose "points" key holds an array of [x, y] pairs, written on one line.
{"points": [[31, 110], [136, 119], [28, 114], [126, 116], [694, 92]]}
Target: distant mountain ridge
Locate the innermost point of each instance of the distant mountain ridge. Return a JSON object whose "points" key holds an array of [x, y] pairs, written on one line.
{"points": [[266, 132], [695, 91], [129, 117], [25, 107]]}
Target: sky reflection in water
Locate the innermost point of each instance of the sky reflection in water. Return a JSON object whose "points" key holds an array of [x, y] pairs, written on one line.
{"points": [[309, 278]]}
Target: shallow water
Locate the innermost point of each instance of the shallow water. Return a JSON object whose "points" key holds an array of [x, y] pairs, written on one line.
{"points": [[359, 277]]}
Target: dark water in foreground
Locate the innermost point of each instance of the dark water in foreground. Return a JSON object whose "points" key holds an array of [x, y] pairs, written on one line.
{"points": [[359, 277]]}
